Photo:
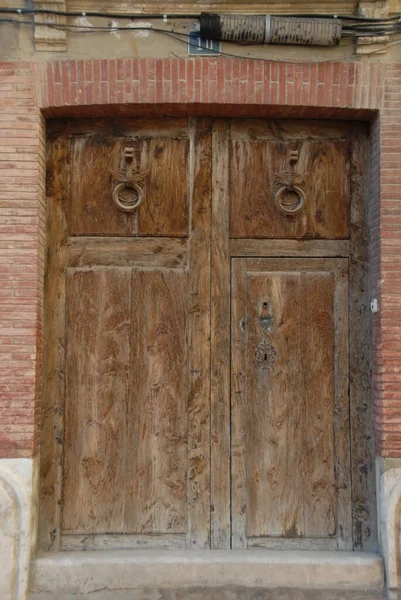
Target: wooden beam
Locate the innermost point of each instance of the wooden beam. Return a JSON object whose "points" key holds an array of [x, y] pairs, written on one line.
{"points": [[280, 248], [229, 6], [125, 252]]}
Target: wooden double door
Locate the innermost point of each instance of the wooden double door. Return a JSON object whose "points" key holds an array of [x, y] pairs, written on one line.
{"points": [[206, 336]]}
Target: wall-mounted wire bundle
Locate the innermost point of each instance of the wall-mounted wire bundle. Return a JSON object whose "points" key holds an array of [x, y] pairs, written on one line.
{"points": [[271, 29]]}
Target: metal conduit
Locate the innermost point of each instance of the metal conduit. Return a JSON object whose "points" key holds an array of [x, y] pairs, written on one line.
{"points": [[271, 29]]}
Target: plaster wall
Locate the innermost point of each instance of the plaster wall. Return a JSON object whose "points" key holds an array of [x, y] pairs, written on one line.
{"points": [[18, 519], [18, 44]]}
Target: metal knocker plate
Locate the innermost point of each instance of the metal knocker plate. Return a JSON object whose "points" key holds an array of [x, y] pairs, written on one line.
{"points": [[127, 194], [289, 188]]}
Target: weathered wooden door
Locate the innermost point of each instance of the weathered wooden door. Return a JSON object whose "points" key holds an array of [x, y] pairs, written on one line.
{"points": [[290, 402], [128, 368], [300, 408], [206, 339]]}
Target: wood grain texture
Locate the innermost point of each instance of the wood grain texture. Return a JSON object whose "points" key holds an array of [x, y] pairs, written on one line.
{"points": [[199, 337], [52, 407], [363, 458], [220, 343], [164, 210], [119, 127], [98, 367], [123, 541], [320, 497], [289, 129], [290, 415], [299, 543], [253, 169], [342, 438], [238, 405], [156, 468], [91, 210], [124, 252], [274, 408]]}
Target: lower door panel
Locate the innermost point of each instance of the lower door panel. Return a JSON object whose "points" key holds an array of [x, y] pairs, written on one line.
{"points": [[290, 408]]}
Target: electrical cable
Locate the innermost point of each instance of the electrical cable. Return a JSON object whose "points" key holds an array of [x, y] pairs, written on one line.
{"points": [[133, 16], [183, 37], [84, 28], [176, 35], [64, 13]]}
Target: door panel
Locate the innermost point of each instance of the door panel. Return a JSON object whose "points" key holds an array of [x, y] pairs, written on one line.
{"points": [[290, 402], [156, 462], [125, 463], [99, 164], [259, 168], [97, 370]]}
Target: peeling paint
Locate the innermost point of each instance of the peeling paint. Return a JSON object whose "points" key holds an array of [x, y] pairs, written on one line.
{"points": [[114, 28], [141, 25], [83, 22]]}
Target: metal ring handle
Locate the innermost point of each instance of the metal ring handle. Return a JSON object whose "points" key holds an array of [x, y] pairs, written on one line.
{"points": [[285, 209], [127, 207]]}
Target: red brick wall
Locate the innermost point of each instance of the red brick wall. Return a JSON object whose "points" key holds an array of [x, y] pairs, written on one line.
{"points": [[226, 87], [387, 350], [21, 257]]}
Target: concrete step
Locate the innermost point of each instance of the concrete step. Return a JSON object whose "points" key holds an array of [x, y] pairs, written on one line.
{"points": [[229, 593], [205, 575]]}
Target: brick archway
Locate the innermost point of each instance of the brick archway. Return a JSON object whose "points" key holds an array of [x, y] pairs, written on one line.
{"points": [[33, 92]]}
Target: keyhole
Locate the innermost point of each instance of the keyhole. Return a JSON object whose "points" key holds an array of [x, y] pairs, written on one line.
{"points": [[265, 356], [266, 317]]}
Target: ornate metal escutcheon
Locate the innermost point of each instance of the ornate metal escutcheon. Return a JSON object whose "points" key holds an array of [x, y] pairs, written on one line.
{"points": [[265, 355]]}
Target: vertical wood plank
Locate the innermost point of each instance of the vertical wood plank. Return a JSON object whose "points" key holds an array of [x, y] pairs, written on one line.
{"points": [[98, 367], [156, 464], [318, 347], [342, 438], [220, 342], [238, 404], [275, 398], [91, 210], [198, 535], [363, 460], [54, 344], [164, 210]]}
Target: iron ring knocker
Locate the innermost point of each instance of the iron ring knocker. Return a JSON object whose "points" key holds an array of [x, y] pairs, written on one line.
{"points": [[127, 207], [293, 207]]}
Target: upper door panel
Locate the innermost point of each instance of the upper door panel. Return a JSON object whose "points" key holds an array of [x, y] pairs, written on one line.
{"points": [[98, 163], [289, 181]]}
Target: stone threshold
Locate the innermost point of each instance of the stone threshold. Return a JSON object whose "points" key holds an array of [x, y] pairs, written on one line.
{"points": [[63, 573]]}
